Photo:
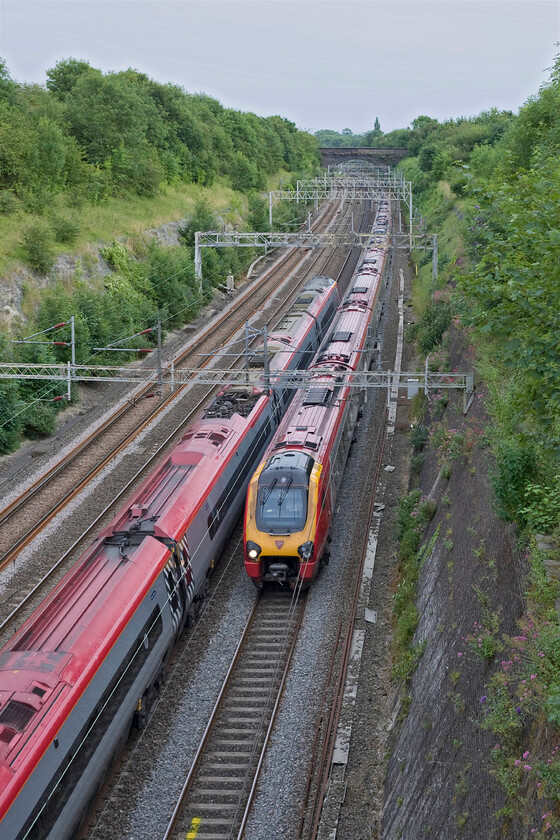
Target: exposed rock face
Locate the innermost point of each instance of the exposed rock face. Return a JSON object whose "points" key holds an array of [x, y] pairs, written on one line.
{"points": [[93, 265], [438, 782], [167, 234]]}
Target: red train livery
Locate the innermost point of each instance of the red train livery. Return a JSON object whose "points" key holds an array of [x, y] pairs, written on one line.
{"points": [[92, 656], [291, 496]]}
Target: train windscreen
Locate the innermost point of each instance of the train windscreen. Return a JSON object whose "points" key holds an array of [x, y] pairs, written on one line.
{"points": [[282, 504]]}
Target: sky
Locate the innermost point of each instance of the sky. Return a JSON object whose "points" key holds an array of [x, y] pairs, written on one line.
{"points": [[321, 63]]}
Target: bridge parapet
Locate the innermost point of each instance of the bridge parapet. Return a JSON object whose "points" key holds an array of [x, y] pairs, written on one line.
{"points": [[378, 157]]}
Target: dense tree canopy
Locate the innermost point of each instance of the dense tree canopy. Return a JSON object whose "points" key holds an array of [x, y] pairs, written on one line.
{"points": [[115, 132]]}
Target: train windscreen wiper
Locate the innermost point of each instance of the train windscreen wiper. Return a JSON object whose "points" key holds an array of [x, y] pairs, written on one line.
{"points": [[284, 492], [270, 488]]}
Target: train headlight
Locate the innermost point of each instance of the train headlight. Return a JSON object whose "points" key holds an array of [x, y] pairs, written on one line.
{"points": [[305, 551], [253, 550]]}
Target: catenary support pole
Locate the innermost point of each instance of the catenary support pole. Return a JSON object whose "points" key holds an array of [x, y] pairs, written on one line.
{"points": [[266, 362], [198, 259], [159, 367], [72, 344], [410, 215]]}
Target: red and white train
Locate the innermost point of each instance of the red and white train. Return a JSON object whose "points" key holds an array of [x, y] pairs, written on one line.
{"points": [[292, 495], [92, 656]]}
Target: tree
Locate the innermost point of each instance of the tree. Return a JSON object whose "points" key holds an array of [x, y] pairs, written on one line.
{"points": [[8, 88], [107, 111], [62, 78]]}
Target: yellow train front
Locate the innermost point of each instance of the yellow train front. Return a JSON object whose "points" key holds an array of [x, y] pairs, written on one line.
{"points": [[284, 528]]}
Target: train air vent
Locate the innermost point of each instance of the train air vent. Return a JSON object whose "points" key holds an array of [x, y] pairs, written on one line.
{"points": [[40, 692], [342, 336], [317, 396], [16, 715], [217, 439], [359, 290]]}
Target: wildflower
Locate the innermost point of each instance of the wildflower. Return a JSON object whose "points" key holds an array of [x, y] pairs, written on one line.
{"points": [[533, 676], [518, 710], [517, 762], [459, 654], [526, 754], [527, 767], [482, 699]]}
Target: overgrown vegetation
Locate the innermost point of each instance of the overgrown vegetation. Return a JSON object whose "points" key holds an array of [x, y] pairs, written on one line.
{"points": [[414, 513], [89, 152], [490, 187], [93, 135]]}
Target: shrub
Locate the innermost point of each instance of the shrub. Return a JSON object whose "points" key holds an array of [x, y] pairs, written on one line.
{"points": [[417, 463], [37, 244], [8, 202], [419, 436], [10, 418], [39, 420], [65, 230], [426, 510], [515, 467], [542, 505], [432, 325], [203, 218]]}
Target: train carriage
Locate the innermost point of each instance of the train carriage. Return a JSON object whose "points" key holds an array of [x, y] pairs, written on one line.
{"points": [[291, 497], [91, 658]]}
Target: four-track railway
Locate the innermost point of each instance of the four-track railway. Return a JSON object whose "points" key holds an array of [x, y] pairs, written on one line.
{"points": [[91, 658]]}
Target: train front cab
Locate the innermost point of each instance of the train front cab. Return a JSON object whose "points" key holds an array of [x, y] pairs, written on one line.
{"points": [[285, 526]]}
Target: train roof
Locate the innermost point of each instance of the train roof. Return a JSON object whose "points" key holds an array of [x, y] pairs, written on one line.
{"points": [[310, 420], [55, 653], [168, 500]]}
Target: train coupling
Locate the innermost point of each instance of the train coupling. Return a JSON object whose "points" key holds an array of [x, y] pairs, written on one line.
{"points": [[277, 572]]}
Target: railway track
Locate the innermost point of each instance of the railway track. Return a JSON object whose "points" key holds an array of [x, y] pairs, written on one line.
{"points": [[209, 807], [20, 600], [40, 503], [326, 732], [218, 791]]}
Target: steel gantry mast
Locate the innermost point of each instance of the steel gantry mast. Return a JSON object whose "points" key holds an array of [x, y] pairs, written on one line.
{"points": [[337, 186], [363, 184]]}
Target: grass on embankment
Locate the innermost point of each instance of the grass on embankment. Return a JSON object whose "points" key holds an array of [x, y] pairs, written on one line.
{"points": [[443, 211], [121, 217]]}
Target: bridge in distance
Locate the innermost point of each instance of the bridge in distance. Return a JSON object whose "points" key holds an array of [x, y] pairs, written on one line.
{"points": [[377, 157]]}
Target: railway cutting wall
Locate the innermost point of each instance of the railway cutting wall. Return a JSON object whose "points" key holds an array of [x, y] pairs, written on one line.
{"points": [[438, 782]]}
